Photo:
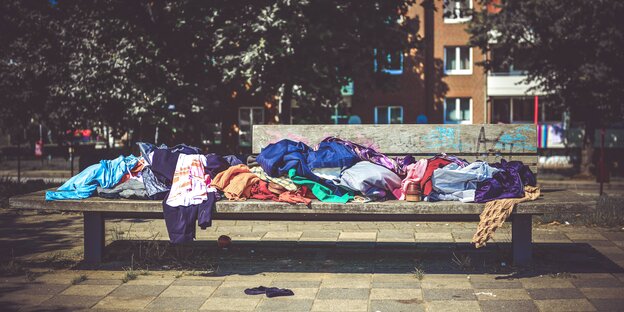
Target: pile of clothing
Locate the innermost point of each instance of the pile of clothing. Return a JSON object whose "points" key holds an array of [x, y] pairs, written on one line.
{"points": [[189, 183]]}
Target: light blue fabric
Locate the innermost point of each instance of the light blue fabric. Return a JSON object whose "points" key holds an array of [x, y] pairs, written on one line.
{"points": [[453, 182], [105, 174], [373, 181]]}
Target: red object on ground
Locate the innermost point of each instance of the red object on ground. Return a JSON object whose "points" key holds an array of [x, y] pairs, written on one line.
{"points": [[224, 241]]}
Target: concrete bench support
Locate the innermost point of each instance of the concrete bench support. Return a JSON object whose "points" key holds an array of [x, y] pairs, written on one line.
{"points": [[94, 238], [521, 239]]}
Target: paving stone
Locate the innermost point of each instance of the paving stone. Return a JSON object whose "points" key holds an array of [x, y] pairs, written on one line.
{"points": [[231, 304], [346, 283], [357, 236], [585, 236], [188, 291], [252, 282], [502, 284], [276, 304], [230, 292], [343, 293], [451, 306], [302, 293], [448, 294], [153, 281], [197, 282], [433, 237], [395, 294], [608, 304], [320, 234], [340, 305], [555, 293], [296, 284], [71, 302], [89, 290], [286, 276], [90, 281], [137, 291], [282, 236], [503, 294], [564, 305], [603, 293], [598, 283], [546, 282], [401, 305], [508, 306], [16, 301], [447, 283], [415, 284], [176, 303], [124, 303], [40, 289]]}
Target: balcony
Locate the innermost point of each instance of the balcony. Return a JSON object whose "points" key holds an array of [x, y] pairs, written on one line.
{"points": [[508, 84]]}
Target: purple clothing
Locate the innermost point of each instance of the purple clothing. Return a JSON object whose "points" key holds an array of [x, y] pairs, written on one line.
{"points": [[181, 220], [398, 165], [509, 182]]}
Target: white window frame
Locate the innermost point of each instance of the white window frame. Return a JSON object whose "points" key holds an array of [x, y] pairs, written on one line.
{"points": [[251, 122], [388, 110], [459, 19], [376, 66], [458, 110], [458, 61]]}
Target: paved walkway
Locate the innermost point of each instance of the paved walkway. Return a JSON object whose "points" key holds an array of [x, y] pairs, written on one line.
{"points": [[330, 266]]}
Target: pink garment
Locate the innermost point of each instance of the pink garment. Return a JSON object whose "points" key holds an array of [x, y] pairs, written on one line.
{"points": [[415, 173]]}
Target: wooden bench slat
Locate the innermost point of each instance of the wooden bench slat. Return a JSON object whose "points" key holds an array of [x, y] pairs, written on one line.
{"points": [[411, 139], [550, 202]]}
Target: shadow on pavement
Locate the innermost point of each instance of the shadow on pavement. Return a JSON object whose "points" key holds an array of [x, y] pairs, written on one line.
{"points": [[253, 257]]}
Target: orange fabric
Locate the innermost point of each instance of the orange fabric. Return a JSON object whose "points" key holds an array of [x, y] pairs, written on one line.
{"points": [[300, 196], [235, 182]]}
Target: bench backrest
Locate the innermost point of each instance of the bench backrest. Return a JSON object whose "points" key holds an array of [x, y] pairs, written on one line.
{"points": [[485, 142]]}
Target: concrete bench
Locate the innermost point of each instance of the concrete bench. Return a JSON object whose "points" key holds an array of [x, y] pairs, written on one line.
{"points": [[484, 142]]}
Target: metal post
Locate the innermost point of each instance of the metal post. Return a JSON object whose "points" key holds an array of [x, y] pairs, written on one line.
{"points": [[19, 160], [602, 171]]}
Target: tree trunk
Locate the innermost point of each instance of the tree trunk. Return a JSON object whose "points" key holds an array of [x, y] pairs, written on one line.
{"points": [[587, 152], [286, 115]]}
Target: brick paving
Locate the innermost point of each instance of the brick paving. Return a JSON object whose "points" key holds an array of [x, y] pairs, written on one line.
{"points": [[330, 266]]}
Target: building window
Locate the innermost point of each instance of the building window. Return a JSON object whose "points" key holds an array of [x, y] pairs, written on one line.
{"points": [[458, 60], [391, 63], [502, 65], [388, 115], [247, 117], [458, 111], [513, 110], [457, 11]]}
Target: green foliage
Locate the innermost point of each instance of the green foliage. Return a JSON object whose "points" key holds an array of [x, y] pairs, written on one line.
{"points": [[572, 49], [175, 64]]}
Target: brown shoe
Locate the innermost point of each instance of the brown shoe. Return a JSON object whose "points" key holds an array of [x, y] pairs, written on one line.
{"points": [[412, 193]]}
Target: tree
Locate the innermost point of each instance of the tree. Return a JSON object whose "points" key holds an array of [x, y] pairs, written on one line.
{"points": [[308, 49], [28, 63], [571, 49]]}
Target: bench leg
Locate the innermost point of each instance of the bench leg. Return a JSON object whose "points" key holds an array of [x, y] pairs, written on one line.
{"points": [[93, 237], [521, 239]]}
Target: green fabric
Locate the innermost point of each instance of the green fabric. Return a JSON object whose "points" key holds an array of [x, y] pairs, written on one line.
{"points": [[321, 192]]}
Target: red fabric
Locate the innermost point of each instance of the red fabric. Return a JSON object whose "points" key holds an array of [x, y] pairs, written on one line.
{"points": [[299, 196], [260, 190], [426, 184], [134, 172]]}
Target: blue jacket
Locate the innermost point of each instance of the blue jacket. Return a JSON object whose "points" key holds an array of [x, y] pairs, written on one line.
{"points": [[278, 158], [106, 174]]}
